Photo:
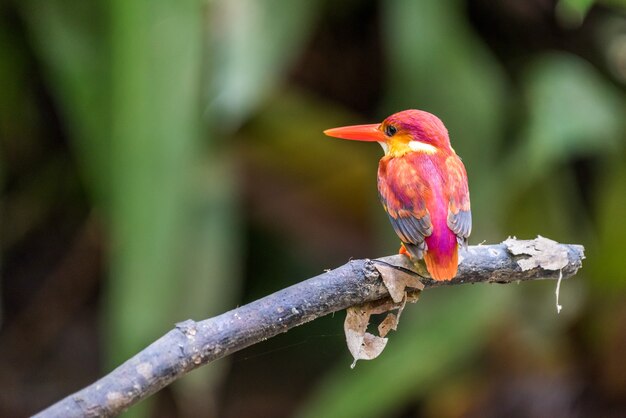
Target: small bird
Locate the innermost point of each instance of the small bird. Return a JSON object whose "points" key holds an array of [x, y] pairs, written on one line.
{"points": [[422, 185]]}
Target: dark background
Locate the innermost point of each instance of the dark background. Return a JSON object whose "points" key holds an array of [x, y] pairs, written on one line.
{"points": [[164, 160]]}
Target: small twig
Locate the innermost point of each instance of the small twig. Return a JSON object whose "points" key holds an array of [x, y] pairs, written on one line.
{"points": [[192, 344], [557, 291]]}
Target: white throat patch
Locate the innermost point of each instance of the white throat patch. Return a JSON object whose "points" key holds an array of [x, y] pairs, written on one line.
{"points": [[385, 147]]}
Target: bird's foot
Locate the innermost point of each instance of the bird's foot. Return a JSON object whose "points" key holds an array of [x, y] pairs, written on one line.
{"points": [[403, 251]]}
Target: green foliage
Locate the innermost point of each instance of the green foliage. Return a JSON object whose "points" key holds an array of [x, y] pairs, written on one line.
{"points": [[70, 39], [155, 72], [128, 79], [605, 263], [572, 112], [251, 45], [572, 12]]}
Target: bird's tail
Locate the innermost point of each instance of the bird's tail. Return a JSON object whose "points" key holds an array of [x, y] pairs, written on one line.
{"points": [[442, 265]]}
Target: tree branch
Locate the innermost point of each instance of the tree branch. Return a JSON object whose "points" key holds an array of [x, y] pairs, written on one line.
{"points": [[192, 344]]}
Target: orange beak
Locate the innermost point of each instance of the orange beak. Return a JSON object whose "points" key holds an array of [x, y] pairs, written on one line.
{"points": [[358, 133]]}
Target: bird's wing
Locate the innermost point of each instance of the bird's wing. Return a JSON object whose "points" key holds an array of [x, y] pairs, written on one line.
{"points": [[459, 213], [411, 228], [402, 194]]}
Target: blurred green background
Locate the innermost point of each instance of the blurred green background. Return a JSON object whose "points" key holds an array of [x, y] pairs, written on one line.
{"points": [[163, 160]]}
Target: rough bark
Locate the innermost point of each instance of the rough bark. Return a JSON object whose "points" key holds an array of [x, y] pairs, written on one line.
{"points": [[192, 344]]}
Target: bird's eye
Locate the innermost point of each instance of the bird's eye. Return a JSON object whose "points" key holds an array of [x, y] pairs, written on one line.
{"points": [[390, 130]]}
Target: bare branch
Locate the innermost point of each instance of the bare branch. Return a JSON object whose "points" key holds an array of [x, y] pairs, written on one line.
{"points": [[192, 344]]}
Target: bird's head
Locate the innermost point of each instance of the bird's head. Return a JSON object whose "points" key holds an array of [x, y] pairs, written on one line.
{"points": [[401, 133]]}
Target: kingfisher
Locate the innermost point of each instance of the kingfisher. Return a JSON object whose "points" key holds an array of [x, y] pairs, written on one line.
{"points": [[422, 184]]}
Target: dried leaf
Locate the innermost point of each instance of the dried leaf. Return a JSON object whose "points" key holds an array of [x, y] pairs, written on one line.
{"points": [[391, 321], [381, 306], [397, 280], [362, 344], [543, 252], [388, 324]]}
